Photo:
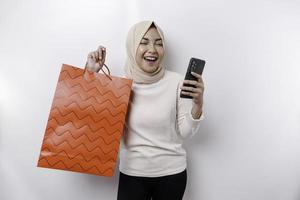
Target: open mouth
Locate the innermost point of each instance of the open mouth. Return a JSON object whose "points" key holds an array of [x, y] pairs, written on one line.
{"points": [[151, 58]]}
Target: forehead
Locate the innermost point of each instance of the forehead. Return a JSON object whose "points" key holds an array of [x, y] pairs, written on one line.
{"points": [[152, 33]]}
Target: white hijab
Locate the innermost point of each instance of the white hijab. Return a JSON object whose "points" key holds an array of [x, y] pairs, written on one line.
{"points": [[132, 70]]}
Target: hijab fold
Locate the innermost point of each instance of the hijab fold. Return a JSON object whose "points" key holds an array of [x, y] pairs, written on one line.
{"points": [[132, 70]]}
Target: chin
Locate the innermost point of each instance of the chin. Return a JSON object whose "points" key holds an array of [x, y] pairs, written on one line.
{"points": [[150, 69]]}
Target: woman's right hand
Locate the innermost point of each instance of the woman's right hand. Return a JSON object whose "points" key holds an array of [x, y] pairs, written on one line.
{"points": [[96, 59]]}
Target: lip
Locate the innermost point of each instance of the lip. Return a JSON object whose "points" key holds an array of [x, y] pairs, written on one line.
{"points": [[151, 60], [151, 63], [156, 58]]}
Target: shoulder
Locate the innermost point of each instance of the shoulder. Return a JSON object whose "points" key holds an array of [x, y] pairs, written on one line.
{"points": [[174, 79]]}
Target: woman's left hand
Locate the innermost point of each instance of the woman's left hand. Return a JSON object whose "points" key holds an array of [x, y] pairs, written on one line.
{"points": [[196, 92]]}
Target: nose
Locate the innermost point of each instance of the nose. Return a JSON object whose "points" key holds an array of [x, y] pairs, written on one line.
{"points": [[152, 48]]}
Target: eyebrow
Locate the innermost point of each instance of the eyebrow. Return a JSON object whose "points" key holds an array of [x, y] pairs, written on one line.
{"points": [[148, 39]]}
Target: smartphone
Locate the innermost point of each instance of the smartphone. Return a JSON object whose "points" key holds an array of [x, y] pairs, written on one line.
{"points": [[195, 65]]}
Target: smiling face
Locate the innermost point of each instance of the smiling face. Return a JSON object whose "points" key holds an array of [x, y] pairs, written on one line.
{"points": [[150, 51]]}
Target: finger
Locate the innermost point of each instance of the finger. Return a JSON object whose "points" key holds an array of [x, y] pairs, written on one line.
{"points": [[190, 82], [97, 56], [100, 47], [94, 56], [199, 77], [192, 89], [185, 88], [196, 75], [197, 85], [103, 54], [200, 80], [90, 55], [194, 95]]}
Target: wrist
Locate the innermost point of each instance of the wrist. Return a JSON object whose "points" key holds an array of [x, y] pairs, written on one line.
{"points": [[92, 69], [196, 111]]}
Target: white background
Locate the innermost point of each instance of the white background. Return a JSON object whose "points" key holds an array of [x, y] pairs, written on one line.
{"points": [[248, 147]]}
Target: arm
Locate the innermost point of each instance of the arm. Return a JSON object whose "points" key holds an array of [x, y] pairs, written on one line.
{"points": [[188, 116], [196, 92]]}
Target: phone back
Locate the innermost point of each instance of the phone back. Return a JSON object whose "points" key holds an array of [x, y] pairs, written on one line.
{"points": [[195, 65]]}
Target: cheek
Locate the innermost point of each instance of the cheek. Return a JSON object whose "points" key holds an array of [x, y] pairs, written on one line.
{"points": [[141, 50], [161, 52], [139, 53], [139, 56]]}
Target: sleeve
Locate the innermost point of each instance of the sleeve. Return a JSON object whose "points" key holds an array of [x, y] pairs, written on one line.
{"points": [[186, 125]]}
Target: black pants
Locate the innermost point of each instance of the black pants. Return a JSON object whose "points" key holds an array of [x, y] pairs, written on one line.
{"points": [[169, 187]]}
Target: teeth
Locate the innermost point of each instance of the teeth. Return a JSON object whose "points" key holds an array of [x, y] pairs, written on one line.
{"points": [[151, 58]]}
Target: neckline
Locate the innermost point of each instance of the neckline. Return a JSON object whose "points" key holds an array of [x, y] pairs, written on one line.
{"points": [[148, 85]]}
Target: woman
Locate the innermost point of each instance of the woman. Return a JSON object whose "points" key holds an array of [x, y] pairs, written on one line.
{"points": [[152, 159]]}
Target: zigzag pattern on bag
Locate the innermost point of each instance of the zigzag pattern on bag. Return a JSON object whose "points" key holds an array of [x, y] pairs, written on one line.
{"points": [[86, 122]]}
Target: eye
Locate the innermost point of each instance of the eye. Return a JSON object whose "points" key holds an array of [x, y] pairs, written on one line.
{"points": [[143, 41], [159, 43]]}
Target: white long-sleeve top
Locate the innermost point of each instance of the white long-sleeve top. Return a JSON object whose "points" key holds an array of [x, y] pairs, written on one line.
{"points": [[157, 123]]}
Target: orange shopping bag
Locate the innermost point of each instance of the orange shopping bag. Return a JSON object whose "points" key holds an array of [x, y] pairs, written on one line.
{"points": [[86, 122]]}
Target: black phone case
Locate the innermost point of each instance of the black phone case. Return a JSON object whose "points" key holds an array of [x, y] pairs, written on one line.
{"points": [[195, 65]]}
